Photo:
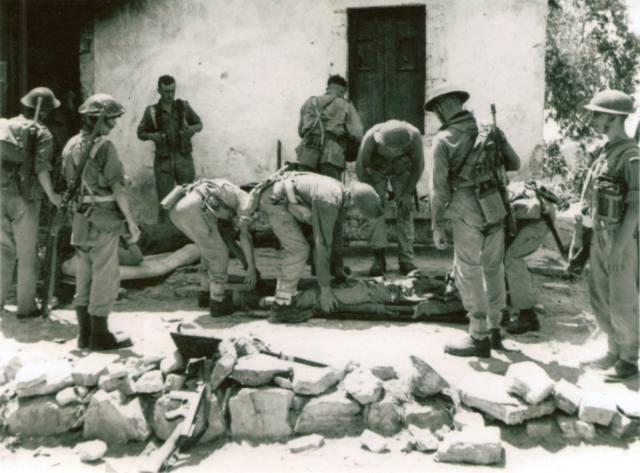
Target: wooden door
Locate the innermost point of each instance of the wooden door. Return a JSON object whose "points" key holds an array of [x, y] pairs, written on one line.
{"points": [[387, 64]]}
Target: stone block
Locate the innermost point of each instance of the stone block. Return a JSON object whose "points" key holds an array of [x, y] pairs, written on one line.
{"points": [[88, 370], [597, 408], [153, 360], [174, 382], [260, 414], [172, 363], [282, 382], [116, 370], [373, 442], [426, 417], [67, 397], [331, 414], [216, 422], [585, 430], [385, 373], [311, 381], [91, 451], [306, 443], [385, 417], [222, 369], [567, 426], [567, 396], [41, 415], [529, 381], [13, 361], [398, 389], [363, 386], [57, 376], [136, 367], [621, 426], [425, 381], [108, 418], [246, 346], [629, 403], [423, 440], [539, 428], [465, 418], [258, 370], [7, 392], [149, 383], [477, 446]]}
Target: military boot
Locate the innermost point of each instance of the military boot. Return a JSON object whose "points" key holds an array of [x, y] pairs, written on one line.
{"points": [[621, 370], [203, 299], [102, 339], [221, 308], [406, 267], [495, 336], [527, 321], [379, 266], [84, 326], [505, 317], [470, 347]]}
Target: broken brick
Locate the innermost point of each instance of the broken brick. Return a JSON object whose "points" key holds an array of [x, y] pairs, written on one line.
{"points": [[621, 426], [567, 396], [597, 408], [529, 381], [538, 428]]}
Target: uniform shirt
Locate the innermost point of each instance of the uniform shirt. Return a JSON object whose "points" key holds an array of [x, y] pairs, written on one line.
{"points": [[231, 196], [451, 145], [167, 122], [19, 127]]}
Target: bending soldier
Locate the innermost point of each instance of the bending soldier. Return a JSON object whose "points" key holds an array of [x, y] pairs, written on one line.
{"points": [[478, 224], [391, 152], [101, 213]]}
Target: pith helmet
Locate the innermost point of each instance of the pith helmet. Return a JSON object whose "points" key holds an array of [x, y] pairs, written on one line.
{"points": [[611, 101], [393, 133], [365, 199], [95, 104], [440, 92], [49, 100]]}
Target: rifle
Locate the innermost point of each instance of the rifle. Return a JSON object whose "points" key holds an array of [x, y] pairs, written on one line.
{"points": [[25, 176], [543, 193], [500, 175], [51, 256]]}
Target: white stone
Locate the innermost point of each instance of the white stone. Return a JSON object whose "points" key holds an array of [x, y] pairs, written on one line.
{"points": [[331, 414], [172, 363], [67, 396], [88, 370], [597, 408], [629, 403], [12, 362], [567, 396], [261, 413], [478, 446], [257, 370], [108, 418], [116, 370], [529, 381], [305, 443], [363, 386], [585, 430], [426, 417], [312, 381], [423, 439], [282, 382], [41, 415], [373, 442], [150, 382], [466, 418], [174, 382], [91, 451], [385, 417], [425, 381], [385, 373], [57, 377]]}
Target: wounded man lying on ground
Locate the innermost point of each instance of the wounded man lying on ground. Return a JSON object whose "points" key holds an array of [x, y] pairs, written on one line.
{"points": [[416, 297]]}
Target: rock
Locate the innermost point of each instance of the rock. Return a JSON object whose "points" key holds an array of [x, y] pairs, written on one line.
{"points": [[621, 426], [398, 389], [245, 346], [91, 451], [442, 432], [423, 440], [629, 403], [88, 370], [12, 362], [363, 386], [41, 415], [597, 408], [567, 427], [216, 422], [529, 381], [425, 381], [312, 381], [373, 442], [306, 443], [136, 367], [567, 396], [478, 446], [162, 427], [260, 414], [116, 370], [153, 360], [67, 396], [172, 363], [7, 392], [174, 382], [331, 414], [222, 369], [282, 382], [385, 373], [124, 384], [464, 418], [426, 417], [257, 370], [109, 419], [150, 382], [585, 430], [57, 376], [539, 428], [385, 417]]}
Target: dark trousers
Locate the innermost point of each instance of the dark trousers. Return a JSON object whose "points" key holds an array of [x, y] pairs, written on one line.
{"points": [[170, 171]]}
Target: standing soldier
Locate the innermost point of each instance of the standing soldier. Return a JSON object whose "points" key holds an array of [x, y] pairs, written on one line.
{"points": [[27, 148], [477, 217], [391, 152], [170, 124], [99, 220], [612, 189], [289, 199], [329, 125]]}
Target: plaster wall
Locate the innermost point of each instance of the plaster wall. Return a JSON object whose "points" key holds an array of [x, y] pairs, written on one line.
{"points": [[246, 66]]}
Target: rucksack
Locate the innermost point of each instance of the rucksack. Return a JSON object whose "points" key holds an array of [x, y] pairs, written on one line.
{"points": [[12, 149]]}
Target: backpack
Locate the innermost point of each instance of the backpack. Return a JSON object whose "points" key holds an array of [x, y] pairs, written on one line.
{"points": [[310, 148], [12, 146]]}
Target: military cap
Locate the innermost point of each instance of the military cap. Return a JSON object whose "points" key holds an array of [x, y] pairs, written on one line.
{"points": [[95, 104], [49, 100], [365, 199], [443, 91], [393, 133], [611, 101]]}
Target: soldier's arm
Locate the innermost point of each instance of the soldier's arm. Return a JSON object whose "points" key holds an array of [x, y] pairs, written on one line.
{"points": [[239, 199], [193, 120], [146, 130], [324, 216], [367, 147], [301, 125], [354, 125], [511, 158], [43, 167], [624, 233], [417, 157], [440, 192]]}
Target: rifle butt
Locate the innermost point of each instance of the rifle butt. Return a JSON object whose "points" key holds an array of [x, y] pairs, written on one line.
{"points": [[156, 459]]}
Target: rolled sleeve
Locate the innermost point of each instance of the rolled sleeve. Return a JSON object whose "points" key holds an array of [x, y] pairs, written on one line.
{"points": [[440, 190]]}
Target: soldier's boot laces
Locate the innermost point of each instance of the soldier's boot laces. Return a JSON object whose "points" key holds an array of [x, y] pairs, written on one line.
{"points": [[495, 336], [84, 326], [102, 339], [379, 266], [527, 321], [221, 308], [480, 347]]}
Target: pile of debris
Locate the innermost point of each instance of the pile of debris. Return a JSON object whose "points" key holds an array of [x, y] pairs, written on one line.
{"points": [[255, 396]]}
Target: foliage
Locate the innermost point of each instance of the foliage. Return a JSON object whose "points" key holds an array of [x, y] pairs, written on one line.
{"points": [[589, 48]]}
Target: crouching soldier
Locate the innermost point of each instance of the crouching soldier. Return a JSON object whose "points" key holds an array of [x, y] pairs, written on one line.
{"points": [[612, 190], [204, 211], [464, 189], [289, 199], [99, 219]]}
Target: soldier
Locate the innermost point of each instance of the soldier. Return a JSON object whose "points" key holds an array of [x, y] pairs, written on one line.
{"points": [[170, 124], [289, 199], [478, 233], [328, 125], [392, 152], [25, 180], [99, 219], [611, 187], [199, 212]]}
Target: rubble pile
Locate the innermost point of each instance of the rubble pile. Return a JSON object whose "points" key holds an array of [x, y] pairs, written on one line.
{"points": [[259, 397]]}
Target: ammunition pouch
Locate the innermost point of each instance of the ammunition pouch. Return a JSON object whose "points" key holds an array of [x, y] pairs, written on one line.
{"points": [[608, 200], [172, 198], [490, 200], [80, 225], [106, 218]]}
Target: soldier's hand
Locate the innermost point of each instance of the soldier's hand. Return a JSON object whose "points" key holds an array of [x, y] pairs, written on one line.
{"points": [[439, 240], [55, 199], [328, 301], [134, 232], [250, 278]]}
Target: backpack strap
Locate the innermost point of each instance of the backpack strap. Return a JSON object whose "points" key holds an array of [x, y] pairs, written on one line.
{"points": [[153, 114]]}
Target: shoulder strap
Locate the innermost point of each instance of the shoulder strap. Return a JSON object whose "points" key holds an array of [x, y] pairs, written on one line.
{"points": [[153, 113], [95, 147], [479, 136]]}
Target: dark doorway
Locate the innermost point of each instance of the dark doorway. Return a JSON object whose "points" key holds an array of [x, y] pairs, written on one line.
{"points": [[387, 63]]}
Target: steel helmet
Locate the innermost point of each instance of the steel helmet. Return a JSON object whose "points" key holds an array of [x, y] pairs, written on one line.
{"points": [[49, 100], [443, 91], [611, 101], [393, 133], [365, 199], [95, 104]]}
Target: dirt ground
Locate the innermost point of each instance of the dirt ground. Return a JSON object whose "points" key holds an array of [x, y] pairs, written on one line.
{"points": [[569, 333]]}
